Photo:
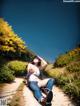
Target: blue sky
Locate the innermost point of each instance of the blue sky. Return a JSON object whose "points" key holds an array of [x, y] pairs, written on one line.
{"points": [[49, 27]]}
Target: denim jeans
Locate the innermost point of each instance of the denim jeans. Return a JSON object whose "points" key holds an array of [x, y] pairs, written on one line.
{"points": [[36, 89]]}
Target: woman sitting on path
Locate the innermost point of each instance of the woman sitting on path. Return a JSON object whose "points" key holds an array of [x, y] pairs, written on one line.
{"points": [[35, 82]]}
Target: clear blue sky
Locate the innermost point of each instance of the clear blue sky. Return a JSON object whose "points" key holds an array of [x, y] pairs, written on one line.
{"points": [[49, 27]]}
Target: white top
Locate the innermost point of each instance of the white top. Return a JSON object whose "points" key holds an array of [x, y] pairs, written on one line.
{"points": [[35, 72]]}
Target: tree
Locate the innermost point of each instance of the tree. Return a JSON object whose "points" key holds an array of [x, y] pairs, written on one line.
{"points": [[11, 45]]}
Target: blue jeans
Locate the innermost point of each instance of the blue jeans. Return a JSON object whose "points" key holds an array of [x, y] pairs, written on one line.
{"points": [[37, 91]]}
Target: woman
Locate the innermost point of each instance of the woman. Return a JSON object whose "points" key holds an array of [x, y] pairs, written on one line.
{"points": [[35, 83]]}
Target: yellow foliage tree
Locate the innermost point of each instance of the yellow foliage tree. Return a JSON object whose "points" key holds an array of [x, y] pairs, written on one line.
{"points": [[10, 42]]}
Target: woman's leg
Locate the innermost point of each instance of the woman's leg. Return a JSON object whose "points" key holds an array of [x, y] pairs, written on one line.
{"points": [[43, 83], [50, 83], [36, 90]]}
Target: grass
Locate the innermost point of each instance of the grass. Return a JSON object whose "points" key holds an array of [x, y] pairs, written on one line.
{"points": [[68, 57], [10, 69], [66, 71], [68, 81], [18, 67]]}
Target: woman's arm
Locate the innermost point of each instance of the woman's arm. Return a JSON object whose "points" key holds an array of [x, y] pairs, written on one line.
{"points": [[43, 63], [30, 68]]}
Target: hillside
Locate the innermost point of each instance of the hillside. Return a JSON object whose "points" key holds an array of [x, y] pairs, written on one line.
{"points": [[68, 57], [15, 55], [66, 71]]}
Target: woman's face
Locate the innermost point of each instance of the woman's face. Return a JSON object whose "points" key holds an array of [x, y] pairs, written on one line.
{"points": [[36, 61]]}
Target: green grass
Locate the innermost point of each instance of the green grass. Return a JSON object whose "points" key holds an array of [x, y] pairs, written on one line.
{"points": [[68, 81], [68, 77], [74, 67], [11, 68], [18, 67], [66, 58], [6, 74]]}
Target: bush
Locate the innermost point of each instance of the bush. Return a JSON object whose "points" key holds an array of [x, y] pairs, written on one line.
{"points": [[18, 67], [73, 88], [6, 74], [74, 67], [67, 58], [62, 60], [68, 77], [68, 81]]}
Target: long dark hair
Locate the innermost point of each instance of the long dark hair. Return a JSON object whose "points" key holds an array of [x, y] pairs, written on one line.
{"points": [[39, 62]]}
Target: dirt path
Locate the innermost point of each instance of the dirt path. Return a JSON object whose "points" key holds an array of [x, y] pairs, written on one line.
{"points": [[29, 98], [60, 99], [9, 89]]}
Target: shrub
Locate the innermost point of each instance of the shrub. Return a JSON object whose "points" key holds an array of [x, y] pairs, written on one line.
{"points": [[67, 58], [6, 74], [68, 81], [68, 77], [18, 67], [74, 67], [62, 60], [73, 88]]}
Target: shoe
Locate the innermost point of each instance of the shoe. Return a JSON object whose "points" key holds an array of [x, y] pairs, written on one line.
{"points": [[49, 97], [44, 90], [43, 102]]}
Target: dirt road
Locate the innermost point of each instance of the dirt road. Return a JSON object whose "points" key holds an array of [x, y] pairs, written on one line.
{"points": [[59, 99]]}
